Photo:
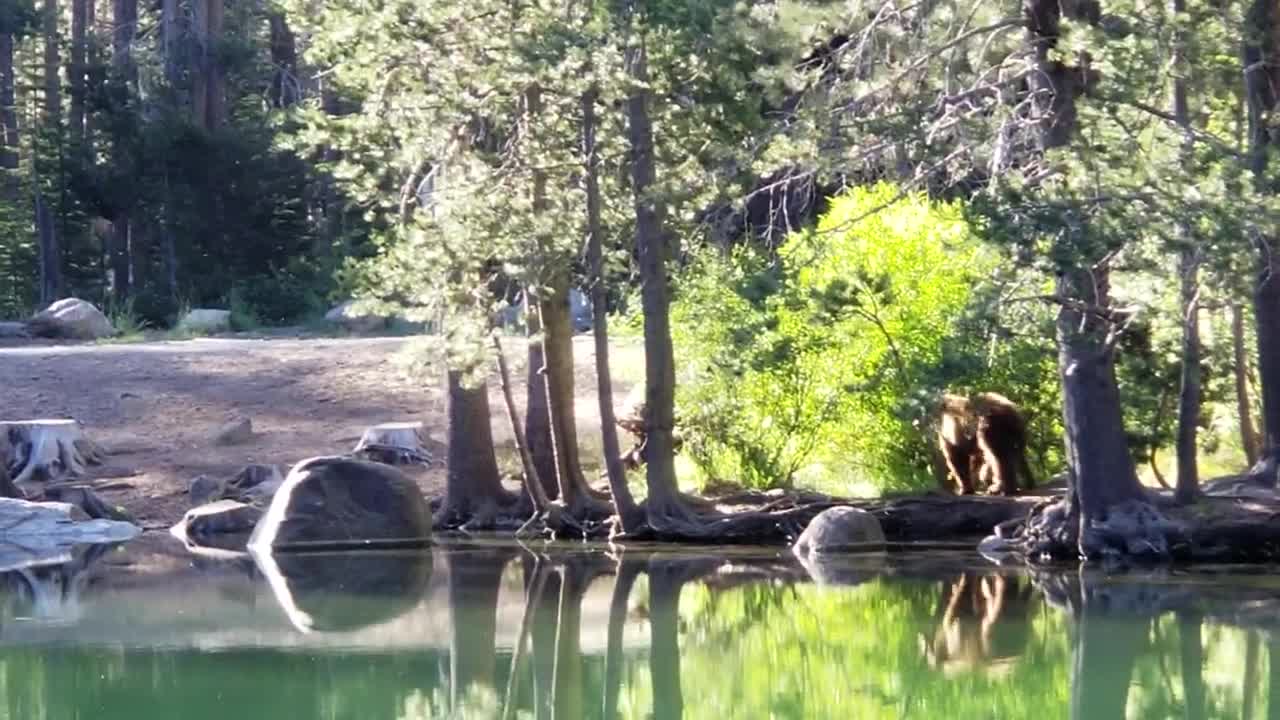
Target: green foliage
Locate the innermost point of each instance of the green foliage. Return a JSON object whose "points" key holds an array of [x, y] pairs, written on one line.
{"points": [[823, 365]]}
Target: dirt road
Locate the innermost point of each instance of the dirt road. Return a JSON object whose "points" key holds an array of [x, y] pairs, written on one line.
{"points": [[157, 406]]}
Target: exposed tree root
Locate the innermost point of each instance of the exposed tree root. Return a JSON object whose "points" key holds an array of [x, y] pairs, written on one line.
{"points": [[1054, 530]]}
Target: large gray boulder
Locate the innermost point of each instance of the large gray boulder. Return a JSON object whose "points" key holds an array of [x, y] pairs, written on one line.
{"points": [[71, 318], [840, 529], [338, 502], [351, 317]]}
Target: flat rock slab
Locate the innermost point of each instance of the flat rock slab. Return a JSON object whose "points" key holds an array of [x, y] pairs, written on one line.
{"points": [[47, 525]]}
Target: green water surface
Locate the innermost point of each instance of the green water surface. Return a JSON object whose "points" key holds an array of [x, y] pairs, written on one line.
{"points": [[491, 631]]}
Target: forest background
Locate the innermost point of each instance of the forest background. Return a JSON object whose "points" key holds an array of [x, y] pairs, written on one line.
{"points": [[857, 204]]}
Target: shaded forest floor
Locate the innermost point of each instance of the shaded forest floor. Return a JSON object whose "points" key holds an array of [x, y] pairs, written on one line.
{"points": [[158, 406]]}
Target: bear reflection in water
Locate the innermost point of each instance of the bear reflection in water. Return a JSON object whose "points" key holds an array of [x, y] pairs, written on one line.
{"points": [[983, 623]]}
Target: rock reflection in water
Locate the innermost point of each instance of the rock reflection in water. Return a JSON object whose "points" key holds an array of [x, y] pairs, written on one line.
{"points": [[334, 592]]}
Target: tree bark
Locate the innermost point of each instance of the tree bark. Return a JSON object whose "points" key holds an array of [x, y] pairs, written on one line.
{"points": [[52, 65], [8, 110], [1249, 439], [537, 414], [217, 85], [651, 245], [628, 513], [125, 26], [284, 61], [473, 486], [557, 353], [50, 255], [77, 68], [1102, 473], [1102, 469], [1259, 59], [1188, 483]]}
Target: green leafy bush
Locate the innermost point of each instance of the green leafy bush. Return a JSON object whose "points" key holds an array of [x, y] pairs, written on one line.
{"points": [[820, 366]]}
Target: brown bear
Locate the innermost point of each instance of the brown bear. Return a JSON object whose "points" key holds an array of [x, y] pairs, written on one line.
{"points": [[984, 440]]}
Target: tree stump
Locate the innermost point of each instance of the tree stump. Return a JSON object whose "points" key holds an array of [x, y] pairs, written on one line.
{"points": [[47, 450], [397, 443]]}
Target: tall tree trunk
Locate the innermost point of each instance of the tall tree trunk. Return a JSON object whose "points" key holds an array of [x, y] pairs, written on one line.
{"points": [[217, 84], [51, 118], [284, 61], [540, 413], [1249, 439], [557, 352], [8, 111], [200, 62], [52, 65], [170, 36], [628, 513], [1102, 471], [537, 413], [50, 256], [125, 25], [651, 245], [77, 68], [1188, 485], [1259, 55], [473, 486]]}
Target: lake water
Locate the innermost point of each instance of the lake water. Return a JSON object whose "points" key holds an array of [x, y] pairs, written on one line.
{"points": [[492, 631]]}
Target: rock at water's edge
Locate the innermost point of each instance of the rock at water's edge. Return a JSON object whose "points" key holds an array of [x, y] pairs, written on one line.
{"points": [[840, 529], [337, 501]]}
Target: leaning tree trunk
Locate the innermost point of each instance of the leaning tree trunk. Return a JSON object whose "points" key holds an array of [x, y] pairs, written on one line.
{"points": [[1260, 75], [537, 415], [663, 503], [284, 60], [474, 494], [47, 450], [624, 579], [629, 517], [1249, 439]]}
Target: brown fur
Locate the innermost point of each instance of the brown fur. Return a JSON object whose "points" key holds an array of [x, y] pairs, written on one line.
{"points": [[984, 441]]}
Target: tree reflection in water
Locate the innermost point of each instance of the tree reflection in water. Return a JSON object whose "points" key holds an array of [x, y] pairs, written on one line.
{"points": [[483, 631]]}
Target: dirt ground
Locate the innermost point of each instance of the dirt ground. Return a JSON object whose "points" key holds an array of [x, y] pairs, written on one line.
{"points": [[156, 407]]}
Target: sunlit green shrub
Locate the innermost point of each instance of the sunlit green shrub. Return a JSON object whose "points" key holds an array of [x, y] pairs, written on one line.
{"points": [[820, 365]]}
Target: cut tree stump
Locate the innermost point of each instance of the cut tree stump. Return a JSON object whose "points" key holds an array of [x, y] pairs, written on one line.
{"points": [[396, 443], [47, 450]]}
